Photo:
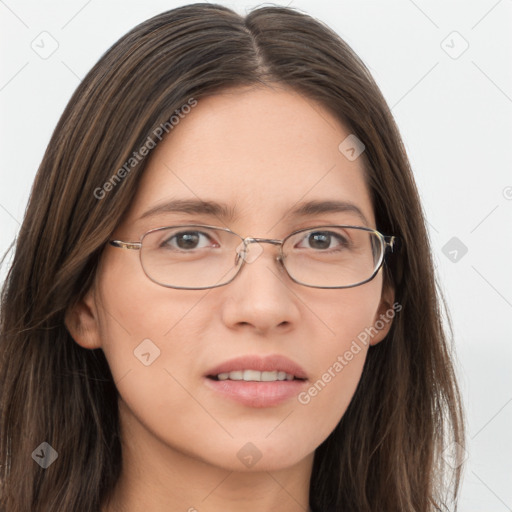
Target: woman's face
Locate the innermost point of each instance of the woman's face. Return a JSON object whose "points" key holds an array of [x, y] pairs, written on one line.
{"points": [[261, 153]]}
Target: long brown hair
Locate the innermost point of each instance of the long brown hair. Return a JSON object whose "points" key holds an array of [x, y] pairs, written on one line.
{"points": [[389, 451]]}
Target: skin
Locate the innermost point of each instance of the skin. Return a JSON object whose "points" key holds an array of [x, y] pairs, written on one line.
{"points": [[260, 151]]}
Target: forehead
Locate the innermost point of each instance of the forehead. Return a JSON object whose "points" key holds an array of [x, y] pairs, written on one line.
{"points": [[261, 151]]}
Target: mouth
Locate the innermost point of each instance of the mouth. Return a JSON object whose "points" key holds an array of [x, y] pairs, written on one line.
{"points": [[256, 381], [255, 376]]}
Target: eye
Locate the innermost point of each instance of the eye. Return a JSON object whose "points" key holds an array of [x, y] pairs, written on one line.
{"points": [[323, 240], [188, 240]]}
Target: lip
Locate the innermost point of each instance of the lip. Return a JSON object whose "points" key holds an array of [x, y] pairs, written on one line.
{"points": [[253, 393], [269, 363]]}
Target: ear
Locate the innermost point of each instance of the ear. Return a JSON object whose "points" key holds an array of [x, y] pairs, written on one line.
{"points": [[82, 321], [385, 314]]}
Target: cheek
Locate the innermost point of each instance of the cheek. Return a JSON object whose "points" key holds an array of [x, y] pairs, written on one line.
{"points": [[340, 352], [151, 337], [331, 390], [142, 322], [344, 316]]}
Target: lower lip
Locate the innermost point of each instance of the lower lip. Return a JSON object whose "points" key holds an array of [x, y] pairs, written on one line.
{"points": [[257, 394]]}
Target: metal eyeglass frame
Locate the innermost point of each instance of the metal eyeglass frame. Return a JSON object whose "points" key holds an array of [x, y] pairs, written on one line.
{"points": [[388, 243]]}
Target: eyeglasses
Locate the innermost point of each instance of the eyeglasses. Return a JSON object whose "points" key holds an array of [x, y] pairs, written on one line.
{"points": [[196, 257]]}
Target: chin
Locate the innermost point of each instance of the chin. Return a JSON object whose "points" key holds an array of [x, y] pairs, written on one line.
{"points": [[256, 455]]}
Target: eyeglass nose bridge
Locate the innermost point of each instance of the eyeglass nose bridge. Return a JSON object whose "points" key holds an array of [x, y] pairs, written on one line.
{"points": [[241, 250]]}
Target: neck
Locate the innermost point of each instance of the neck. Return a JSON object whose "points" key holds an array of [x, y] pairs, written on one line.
{"points": [[157, 477], [213, 490]]}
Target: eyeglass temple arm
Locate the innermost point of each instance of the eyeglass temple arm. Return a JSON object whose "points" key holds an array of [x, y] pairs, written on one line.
{"points": [[393, 242], [125, 245]]}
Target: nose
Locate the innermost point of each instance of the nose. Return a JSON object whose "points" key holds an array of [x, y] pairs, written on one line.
{"points": [[262, 297]]}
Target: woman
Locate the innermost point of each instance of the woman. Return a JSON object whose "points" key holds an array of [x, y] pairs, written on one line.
{"points": [[222, 295]]}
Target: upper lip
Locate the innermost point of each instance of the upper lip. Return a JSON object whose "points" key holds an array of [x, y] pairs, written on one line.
{"points": [[268, 363]]}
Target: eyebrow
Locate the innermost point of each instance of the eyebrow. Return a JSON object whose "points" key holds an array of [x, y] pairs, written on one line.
{"points": [[213, 208]]}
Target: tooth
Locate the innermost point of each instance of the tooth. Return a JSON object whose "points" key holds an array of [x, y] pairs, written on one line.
{"points": [[252, 375], [256, 376], [268, 376]]}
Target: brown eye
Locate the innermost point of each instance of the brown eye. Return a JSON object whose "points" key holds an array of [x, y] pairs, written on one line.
{"points": [[322, 240], [187, 240]]}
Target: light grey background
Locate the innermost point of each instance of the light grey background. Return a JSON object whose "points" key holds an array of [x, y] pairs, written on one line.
{"points": [[453, 107]]}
